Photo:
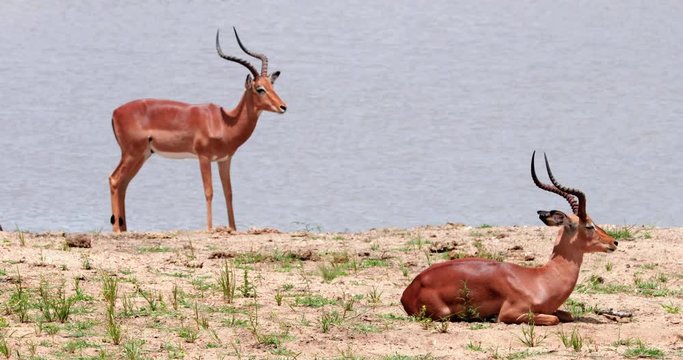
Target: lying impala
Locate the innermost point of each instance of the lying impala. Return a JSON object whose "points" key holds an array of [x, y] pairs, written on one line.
{"points": [[178, 130], [472, 289]]}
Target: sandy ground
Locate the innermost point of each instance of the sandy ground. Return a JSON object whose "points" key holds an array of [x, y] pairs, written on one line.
{"points": [[353, 314]]}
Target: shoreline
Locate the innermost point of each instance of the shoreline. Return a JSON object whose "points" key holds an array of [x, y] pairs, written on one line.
{"points": [[313, 229]]}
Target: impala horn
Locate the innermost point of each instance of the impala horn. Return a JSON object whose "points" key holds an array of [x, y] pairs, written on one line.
{"points": [[246, 64], [579, 208], [581, 211], [262, 57]]}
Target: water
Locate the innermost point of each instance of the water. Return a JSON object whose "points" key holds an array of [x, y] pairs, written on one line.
{"points": [[400, 113]]}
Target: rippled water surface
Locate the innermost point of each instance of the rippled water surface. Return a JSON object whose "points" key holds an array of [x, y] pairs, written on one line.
{"points": [[400, 113]]}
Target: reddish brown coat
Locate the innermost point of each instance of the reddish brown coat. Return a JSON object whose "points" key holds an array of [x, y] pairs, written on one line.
{"points": [[476, 289]]}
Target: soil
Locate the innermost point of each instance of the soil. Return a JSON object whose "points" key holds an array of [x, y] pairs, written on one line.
{"points": [[320, 295]]}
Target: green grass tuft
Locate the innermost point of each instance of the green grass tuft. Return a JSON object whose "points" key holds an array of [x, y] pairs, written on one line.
{"points": [[671, 308], [641, 350], [573, 341], [331, 271], [577, 308], [622, 233], [314, 301], [596, 285], [154, 249]]}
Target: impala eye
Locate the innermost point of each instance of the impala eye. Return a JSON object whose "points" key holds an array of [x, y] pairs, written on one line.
{"points": [[261, 90], [590, 226]]}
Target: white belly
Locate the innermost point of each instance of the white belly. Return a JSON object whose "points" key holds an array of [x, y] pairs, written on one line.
{"points": [[174, 155], [185, 155]]}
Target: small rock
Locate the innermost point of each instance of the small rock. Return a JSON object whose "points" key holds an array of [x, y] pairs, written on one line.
{"points": [[194, 264], [454, 225], [79, 241], [304, 254], [43, 264], [455, 254], [614, 313], [259, 231], [442, 247], [223, 229], [529, 257], [516, 247], [221, 255]]}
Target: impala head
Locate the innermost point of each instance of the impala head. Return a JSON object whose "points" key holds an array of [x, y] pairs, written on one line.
{"points": [[258, 85], [589, 237]]}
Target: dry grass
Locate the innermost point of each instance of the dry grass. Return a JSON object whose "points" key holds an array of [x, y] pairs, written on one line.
{"points": [[314, 295]]}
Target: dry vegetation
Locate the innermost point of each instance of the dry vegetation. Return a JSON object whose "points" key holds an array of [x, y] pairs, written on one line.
{"points": [[306, 295]]}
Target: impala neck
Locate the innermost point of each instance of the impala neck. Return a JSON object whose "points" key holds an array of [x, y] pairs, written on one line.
{"points": [[242, 119], [564, 265]]}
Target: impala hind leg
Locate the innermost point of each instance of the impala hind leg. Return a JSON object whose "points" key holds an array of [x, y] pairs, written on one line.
{"points": [[114, 192], [118, 183], [224, 172], [430, 304], [124, 187], [205, 168]]}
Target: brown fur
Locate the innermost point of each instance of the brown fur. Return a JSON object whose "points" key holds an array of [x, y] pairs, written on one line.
{"points": [[207, 131], [471, 289]]}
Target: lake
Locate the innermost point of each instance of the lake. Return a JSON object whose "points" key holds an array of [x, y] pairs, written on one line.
{"points": [[400, 113]]}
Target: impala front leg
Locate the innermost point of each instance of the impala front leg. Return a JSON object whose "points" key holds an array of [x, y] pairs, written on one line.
{"points": [[537, 319], [564, 316], [205, 168], [516, 314], [224, 172], [545, 319]]}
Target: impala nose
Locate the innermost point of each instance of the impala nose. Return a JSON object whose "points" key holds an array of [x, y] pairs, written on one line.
{"points": [[616, 243], [612, 247], [283, 108]]}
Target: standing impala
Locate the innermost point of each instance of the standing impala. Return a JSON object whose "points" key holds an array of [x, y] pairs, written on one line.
{"points": [[475, 289], [178, 130]]}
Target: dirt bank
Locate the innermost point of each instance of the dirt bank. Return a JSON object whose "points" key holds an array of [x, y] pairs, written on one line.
{"points": [[317, 295]]}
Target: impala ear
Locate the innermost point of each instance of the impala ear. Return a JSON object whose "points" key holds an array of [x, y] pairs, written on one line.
{"points": [[553, 217], [274, 77], [247, 83]]}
